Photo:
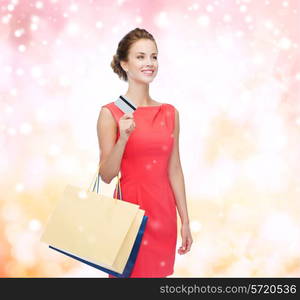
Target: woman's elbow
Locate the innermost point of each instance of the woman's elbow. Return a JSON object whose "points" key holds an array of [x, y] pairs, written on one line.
{"points": [[104, 178]]}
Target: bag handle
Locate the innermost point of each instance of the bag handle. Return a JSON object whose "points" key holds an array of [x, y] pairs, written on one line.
{"points": [[96, 184]]}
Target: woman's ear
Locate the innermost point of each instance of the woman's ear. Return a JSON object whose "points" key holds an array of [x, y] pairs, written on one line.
{"points": [[123, 65]]}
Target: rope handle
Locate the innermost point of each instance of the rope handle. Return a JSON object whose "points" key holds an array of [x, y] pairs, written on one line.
{"points": [[96, 180]]}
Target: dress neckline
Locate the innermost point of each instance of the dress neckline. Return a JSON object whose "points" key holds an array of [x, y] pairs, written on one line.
{"points": [[150, 106]]}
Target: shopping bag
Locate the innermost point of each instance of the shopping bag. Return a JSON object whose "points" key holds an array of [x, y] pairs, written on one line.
{"points": [[100, 231]]}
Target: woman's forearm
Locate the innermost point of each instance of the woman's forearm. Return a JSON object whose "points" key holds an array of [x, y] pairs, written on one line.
{"points": [[177, 183], [110, 167]]}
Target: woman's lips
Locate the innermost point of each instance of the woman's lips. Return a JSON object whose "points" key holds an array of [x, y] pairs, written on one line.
{"points": [[148, 73]]}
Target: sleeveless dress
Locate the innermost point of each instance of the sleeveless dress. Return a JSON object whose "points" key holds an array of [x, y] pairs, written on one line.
{"points": [[144, 181]]}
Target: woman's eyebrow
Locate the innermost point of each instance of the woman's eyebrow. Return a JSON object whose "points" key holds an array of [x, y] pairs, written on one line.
{"points": [[145, 53]]}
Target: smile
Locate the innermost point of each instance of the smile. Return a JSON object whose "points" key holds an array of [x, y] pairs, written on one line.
{"points": [[148, 72]]}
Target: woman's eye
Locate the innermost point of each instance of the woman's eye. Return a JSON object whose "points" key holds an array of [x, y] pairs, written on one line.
{"points": [[142, 57]]}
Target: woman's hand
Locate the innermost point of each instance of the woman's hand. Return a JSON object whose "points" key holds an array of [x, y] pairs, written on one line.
{"points": [[186, 239], [127, 125]]}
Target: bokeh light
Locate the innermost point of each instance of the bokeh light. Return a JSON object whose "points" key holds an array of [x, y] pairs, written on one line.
{"points": [[231, 68]]}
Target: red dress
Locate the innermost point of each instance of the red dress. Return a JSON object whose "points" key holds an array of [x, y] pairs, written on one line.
{"points": [[144, 180]]}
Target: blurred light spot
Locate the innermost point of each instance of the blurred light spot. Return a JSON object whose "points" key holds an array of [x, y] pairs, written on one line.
{"points": [[11, 131], [239, 33], [269, 24], [74, 7], [284, 43], [209, 8], [148, 166], [82, 194], [22, 48], [278, 227], [258, 59], [225, 42], [19, 187], [64, 81], [243, 8], [10, 7], [297, 76], [13, 91], [19, 32], [34, 225], [9, 109], [227, 18], [23, 248], [162, 19], [6, 19], [203, 20], [33, 27], [20, 72], [41, 115], [99, 24], [145, 242], [162, 263], [248, 19], [54, 150], [73, 28], [195, 6], [285, 4], [39, 4], [155, 224], [35, 19], [120, 2], [36, 72], [298, 123], [25, 128], [195, 226], [139, 19]]}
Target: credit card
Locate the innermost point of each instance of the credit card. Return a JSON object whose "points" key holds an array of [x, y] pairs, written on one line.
{"points": [[125, 104]]}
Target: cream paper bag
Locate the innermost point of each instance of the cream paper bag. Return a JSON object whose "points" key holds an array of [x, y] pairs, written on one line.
{"points": [[96, 229]]}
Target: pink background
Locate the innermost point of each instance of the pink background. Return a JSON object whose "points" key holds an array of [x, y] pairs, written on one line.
{"points": [[231, 68]]}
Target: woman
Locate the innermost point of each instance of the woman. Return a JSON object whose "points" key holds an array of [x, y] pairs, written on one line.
{"points": [[145, 148]]}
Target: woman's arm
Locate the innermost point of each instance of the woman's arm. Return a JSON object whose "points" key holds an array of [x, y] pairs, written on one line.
{"points": [[176, 175], [111, 152], [177, 182]]}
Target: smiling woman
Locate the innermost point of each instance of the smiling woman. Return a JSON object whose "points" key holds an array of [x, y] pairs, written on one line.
{"points": [[145, 149], [120, 63]]}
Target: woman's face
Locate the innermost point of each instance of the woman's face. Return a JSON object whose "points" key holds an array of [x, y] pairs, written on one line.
{"points": [[142, 56]]}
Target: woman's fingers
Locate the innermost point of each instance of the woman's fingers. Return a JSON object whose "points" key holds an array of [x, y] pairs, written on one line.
{"points": [[127, 116], [185, 245]]}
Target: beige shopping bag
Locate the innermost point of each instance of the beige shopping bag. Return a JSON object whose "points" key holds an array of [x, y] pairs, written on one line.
{"points": [[97, 228]]}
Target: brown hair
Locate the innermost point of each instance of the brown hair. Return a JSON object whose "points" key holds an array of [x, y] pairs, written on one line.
{"points": [[123, 49]]}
